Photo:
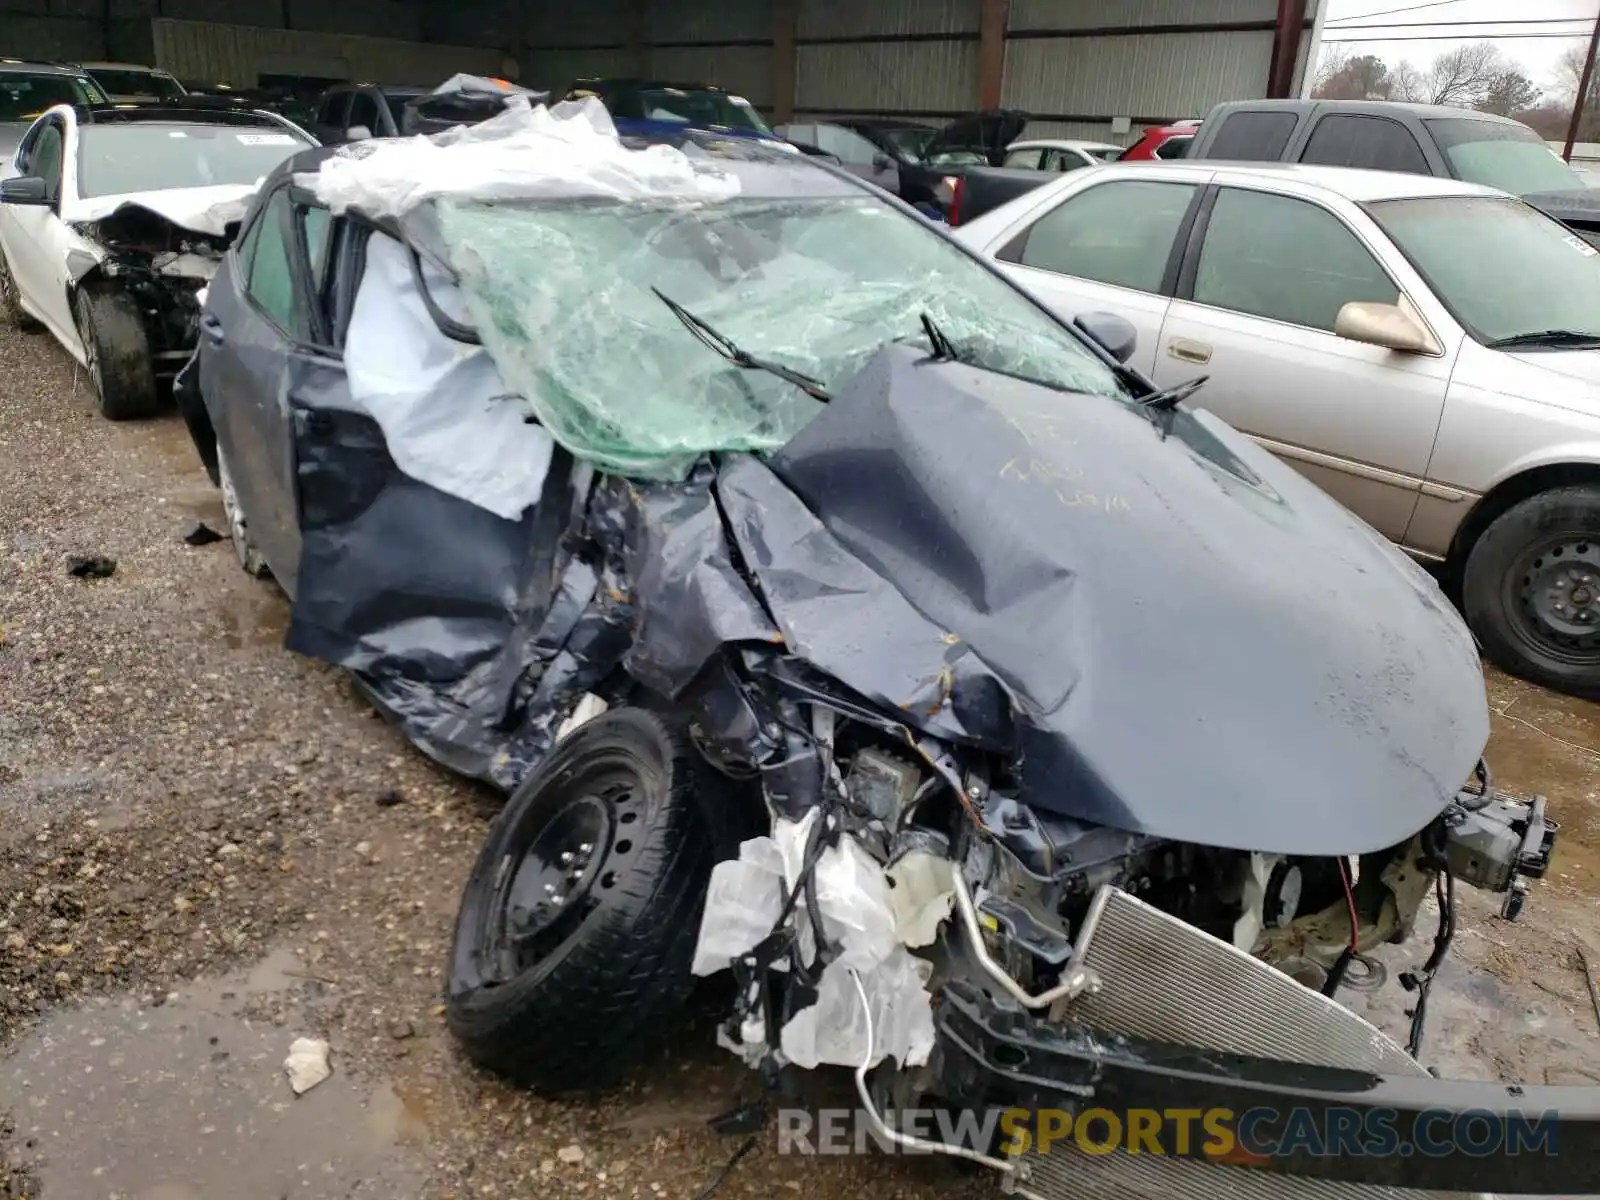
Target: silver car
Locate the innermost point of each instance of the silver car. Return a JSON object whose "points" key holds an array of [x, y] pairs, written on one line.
{"points": [[1428, 351]]}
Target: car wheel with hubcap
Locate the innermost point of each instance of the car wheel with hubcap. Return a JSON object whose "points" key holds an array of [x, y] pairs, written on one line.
{"points": [[244, 549], [11, 311], [578, 925], [1531, 589], [116, 353]]}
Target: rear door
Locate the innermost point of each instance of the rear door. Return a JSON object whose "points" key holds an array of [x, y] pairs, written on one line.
{"points": [[1264, 278], [261, 315], [1109, 247]]}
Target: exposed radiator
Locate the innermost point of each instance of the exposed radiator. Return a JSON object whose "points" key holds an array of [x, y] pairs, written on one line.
{"points": [[1163, 979]]}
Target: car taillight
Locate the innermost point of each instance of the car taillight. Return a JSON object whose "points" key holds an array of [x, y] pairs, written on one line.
{"points": [[958, 187]]}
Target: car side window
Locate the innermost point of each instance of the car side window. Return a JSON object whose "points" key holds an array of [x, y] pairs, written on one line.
{"points": [[1253, 136], [1063, 160], [1119, 233], [334, 109], [851, 148], [1177, 147], [45, 159], [1286, 259], [1376, 143], [364, 111], [270, 280], [1026, 159]]}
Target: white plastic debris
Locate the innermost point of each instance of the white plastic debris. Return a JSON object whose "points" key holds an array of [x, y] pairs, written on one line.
{"points": [[923, 894], [307, 1064], [446, 414], [858, 914], [526, 152]]}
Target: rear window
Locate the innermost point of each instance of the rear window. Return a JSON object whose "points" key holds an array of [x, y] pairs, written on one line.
{"points": [[24, 96], [1253, 136], [1176, 147], [139, 83], [1502, 155]]}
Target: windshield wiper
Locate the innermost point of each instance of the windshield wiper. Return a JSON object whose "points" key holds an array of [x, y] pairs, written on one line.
{"points": [[1169, 398], [740, 358], [1575, 338], [944, 350]]}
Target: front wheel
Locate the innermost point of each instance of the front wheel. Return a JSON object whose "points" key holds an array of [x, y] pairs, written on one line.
{"points": [[1531, 590], [117, 353], [576, 934]]}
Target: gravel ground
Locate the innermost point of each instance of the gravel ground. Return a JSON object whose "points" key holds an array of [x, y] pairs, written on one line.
{"points": [[181, 799]]}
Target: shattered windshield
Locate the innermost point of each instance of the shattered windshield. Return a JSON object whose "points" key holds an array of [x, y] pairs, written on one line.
{"points": [[565, 298]]}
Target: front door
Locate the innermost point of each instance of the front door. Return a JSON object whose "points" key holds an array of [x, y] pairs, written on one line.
{"points": [[248, 332], [1255, 312], [36, 240], [1106, 248]]}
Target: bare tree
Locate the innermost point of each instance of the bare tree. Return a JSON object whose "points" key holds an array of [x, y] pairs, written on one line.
{"points": [[1510, 93], [1408, 84], [1365, 77], [1331, 60], [1463, 76]]}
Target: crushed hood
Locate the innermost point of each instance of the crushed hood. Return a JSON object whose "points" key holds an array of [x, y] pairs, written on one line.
{"points": [[1174, 635], [208, 210]]}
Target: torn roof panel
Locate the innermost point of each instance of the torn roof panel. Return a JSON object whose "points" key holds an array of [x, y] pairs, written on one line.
{"points": [[527, 152]]}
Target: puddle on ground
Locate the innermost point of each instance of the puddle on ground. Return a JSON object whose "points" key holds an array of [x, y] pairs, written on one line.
{"points": [[188, 1101], [254, 617]]}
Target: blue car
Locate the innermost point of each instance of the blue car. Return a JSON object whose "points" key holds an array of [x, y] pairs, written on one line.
{"points": [[655, 109]]}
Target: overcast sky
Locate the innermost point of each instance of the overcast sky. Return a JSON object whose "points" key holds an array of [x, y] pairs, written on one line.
{"points": [[1396, 36]]}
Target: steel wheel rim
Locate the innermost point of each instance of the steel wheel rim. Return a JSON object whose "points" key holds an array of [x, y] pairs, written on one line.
{"points": [[556, 867], [1554, 598], [230, 508]]}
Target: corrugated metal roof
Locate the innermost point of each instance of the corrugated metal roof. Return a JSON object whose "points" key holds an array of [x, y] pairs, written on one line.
{"points": [[709, 20], [904, 76], [591, 23], [745, 70], [238, 53], [1154, 76], [856, 18], [1108, 14]]}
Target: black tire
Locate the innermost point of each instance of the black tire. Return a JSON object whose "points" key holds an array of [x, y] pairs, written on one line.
{"points": [[1531, 590], [244, 548], [12, 313], [118, 353], [608, 969]]}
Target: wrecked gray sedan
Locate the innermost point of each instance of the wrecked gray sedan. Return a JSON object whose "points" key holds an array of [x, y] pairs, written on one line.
{"points": [[1016, 737]]}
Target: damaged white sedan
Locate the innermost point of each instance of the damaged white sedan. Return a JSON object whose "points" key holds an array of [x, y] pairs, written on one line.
{"points": [[112, 219]]}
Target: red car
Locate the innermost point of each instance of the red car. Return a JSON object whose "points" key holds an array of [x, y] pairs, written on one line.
{"points": [[1162, 141]]}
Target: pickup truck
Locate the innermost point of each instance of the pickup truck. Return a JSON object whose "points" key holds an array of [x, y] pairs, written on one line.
{"points": [[1419, 139]]}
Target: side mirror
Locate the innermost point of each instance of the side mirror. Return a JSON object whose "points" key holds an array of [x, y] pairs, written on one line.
{"points": [[1115, 335], [1392, 326], [358, 133], [882, 162], [24, 189]]}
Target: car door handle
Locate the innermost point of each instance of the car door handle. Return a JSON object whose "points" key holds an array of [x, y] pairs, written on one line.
{"points": [[212, 328], [1187, 351]]}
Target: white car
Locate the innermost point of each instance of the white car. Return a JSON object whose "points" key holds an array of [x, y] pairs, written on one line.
{"points": [[1059, 154], [112, 219], [1426, 350]]}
